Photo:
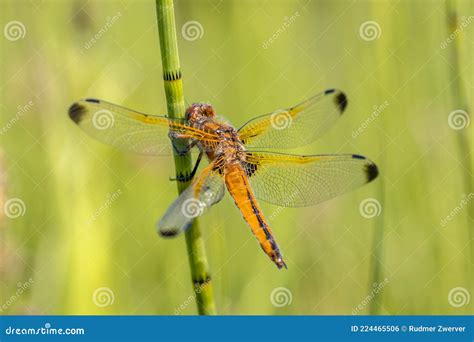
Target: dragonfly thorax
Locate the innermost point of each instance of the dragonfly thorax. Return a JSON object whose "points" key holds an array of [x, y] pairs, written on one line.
{"points": [[230, 146]]}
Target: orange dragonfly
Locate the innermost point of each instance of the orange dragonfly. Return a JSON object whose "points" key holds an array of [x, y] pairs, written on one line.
{"points": [[238, 160]]}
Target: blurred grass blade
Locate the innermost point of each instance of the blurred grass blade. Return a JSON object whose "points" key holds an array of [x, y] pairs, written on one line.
{"points": [[459, 100]]}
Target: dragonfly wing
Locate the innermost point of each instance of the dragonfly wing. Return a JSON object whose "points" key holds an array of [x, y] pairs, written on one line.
{"points": [[296, 181], [295, 126], [127, 129], [207, 190]]}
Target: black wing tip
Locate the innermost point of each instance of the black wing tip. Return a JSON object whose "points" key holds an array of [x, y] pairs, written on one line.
{"points": [[340, 98], [329, 91], [371, 171], [92, 100], [341, 101], [168, 233], [76, 112]]}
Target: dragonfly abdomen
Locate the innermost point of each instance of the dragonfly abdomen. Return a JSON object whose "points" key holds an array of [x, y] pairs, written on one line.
{"points": [[239, 188]]}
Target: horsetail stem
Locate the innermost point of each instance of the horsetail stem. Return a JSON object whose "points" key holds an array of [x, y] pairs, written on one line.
{"points": [[202, 284]]}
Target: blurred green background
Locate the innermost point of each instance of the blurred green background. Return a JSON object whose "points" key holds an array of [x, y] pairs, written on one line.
{"points": [[78, 226]]}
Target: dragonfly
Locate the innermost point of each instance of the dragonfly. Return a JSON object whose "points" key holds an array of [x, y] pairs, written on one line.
{"points": [[239, 159]]}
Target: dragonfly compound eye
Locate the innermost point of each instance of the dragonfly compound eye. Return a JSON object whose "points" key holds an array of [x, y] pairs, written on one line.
{"points": [[192, 112]]}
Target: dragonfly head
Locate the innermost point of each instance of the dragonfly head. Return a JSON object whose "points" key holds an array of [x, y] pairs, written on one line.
{"points": [[198, 111]]}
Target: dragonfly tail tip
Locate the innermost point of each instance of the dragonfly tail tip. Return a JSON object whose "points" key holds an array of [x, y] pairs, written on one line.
{"points": [[280, 264]]}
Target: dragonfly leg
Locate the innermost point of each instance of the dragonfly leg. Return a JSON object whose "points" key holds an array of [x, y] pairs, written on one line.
{"points": [[187, 178], [178, 150]]}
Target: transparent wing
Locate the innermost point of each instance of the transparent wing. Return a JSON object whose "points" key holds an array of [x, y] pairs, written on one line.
{"points": [[296, 126], [295, 181], [207, 190], [130, 130]]}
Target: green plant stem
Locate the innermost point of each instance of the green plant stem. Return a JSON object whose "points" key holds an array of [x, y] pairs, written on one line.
{"points": [[175, 102], [458, 94]]}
